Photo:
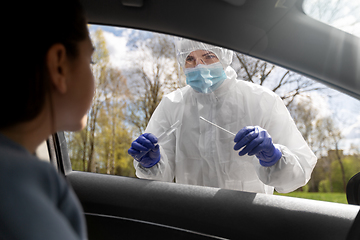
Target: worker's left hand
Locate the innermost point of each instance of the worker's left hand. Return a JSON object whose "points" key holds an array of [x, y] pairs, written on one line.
{"points": [[257, 141]]}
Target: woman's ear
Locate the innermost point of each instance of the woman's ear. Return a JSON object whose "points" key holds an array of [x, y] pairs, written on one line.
{"points": [[57, 63]]}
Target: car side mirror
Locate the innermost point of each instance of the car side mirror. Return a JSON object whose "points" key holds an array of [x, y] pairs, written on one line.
{"points": [[353, 190]]}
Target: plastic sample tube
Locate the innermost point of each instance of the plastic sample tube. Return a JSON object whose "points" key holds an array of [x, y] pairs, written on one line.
{"points": [[161, 137], [217, 126], [168, 132]]}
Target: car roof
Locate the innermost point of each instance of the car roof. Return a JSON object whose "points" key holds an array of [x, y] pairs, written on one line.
{"points": [[275, 31]]}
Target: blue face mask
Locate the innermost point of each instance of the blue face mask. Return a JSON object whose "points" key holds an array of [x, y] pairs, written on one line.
{"points": [[205, 78]]}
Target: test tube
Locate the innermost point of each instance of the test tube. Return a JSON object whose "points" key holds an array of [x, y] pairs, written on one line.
{"points": [[161, 137]]}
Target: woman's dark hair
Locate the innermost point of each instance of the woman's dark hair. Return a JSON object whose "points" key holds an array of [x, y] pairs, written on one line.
{"points": [[33, 27]]}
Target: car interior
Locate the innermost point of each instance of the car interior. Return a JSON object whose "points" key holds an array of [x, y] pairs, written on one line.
{"points": [[277, 31]]}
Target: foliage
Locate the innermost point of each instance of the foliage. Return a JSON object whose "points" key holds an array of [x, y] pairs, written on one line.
{"points": [[102, 145], [328, 173], [328, 197], [351, 166]]}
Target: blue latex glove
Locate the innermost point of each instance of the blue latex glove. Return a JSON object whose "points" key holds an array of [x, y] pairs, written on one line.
{"points": [[143, 144], [258, 142]]}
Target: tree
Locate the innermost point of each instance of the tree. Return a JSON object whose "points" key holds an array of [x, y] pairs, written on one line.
{"points": [[112, 117], [96, 147], [335, 138], [101, 59], [286, 84], [113, 140], [75, 150], [153, 75], [304, 114], [323, 137], [351, 166], [327, 137]]}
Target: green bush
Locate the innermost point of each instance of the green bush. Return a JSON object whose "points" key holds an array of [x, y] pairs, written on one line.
{"points": [[328, 197], [324, 186]]}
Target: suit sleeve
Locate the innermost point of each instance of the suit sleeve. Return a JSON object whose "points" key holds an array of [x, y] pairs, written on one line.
{"points": [[164, 169], [294, 168]]}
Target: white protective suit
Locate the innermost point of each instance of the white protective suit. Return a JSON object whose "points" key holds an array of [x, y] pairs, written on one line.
{"points": [[198, 153]]}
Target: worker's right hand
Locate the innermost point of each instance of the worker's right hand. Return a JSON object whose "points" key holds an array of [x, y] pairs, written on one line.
{"points": [[257, 141], [145, 144]]}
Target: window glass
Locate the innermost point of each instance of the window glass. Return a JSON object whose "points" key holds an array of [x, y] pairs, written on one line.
{"points": [[342, 14], [134, 69]]}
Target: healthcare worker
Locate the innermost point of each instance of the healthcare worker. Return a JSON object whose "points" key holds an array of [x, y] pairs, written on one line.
{"points": [[273, 153]]}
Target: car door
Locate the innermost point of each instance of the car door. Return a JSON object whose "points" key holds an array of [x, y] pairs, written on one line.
{"points": [[121, 207]]}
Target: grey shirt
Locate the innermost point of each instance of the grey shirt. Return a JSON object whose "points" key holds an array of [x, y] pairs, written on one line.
{"points": [[35, 202]]}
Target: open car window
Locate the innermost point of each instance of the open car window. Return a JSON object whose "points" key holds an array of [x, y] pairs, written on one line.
{"points": [[134, 69]]}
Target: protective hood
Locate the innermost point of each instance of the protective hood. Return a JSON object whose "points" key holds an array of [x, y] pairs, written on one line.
{"points": [[184, 47]]}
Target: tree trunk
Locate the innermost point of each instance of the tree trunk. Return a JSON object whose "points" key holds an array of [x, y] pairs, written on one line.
{"points": [[339, 158], [91, 163]]}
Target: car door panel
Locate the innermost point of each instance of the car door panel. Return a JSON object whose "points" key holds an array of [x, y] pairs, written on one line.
{"points": [[209, 211]]}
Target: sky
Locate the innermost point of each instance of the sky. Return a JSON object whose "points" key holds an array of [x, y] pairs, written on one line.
{"points": [[342, 14]]}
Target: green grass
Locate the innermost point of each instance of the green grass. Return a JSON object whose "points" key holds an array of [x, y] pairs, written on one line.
{"points": [[329, 197]]}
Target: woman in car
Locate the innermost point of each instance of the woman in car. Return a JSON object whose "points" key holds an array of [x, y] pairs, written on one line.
{"points": [[273, 154], [49, 89]]}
